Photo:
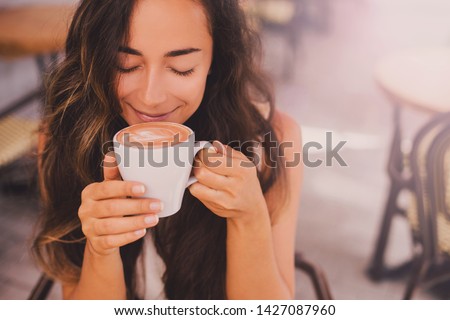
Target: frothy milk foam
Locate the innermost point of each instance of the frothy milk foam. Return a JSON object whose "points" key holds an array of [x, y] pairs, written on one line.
{"points": [[154, 134]]}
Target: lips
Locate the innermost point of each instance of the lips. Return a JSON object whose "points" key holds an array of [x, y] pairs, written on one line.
{"points": [[153, 117]]}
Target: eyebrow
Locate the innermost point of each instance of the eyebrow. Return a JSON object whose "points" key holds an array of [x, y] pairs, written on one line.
{"points": [[170, 54]]}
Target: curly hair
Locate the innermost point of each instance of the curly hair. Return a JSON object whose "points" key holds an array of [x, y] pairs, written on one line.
{"points": [[82, 113]]}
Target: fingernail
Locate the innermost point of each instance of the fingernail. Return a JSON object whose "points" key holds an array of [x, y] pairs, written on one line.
{"points": [[156, 206], [212, 149], [110, 157], [138, 189], [151, 219], [218, 146], [140, 232]]}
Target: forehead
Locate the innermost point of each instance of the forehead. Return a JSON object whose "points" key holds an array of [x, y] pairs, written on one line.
{"points": [[165, 24]]}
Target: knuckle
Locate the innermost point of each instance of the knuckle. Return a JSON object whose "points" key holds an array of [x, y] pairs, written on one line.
{"points": [[229, 204], [193, 189], [108, 242], [233, 206], [85, 209], [85, 228], [85, 192], [200, 173], [88, 209], [82, 212], [226, 206]]}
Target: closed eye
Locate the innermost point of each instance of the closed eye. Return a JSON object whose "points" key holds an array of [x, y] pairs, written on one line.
{"points": [[127, 70], [183, 73], [179, 73]]}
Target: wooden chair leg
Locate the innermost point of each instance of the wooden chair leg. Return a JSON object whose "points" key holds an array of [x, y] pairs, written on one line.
{"points": [[416, 276], [42, 288], [316, 275]]}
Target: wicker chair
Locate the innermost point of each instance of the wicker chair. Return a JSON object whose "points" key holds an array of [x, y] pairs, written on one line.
{"points": [[316, 275], [429, 215]]}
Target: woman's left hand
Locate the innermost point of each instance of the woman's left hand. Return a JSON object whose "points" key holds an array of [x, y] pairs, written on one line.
{"points": [[227, 183]]}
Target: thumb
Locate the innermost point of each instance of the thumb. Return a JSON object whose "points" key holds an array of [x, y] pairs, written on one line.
{"points": [[110, 168]]}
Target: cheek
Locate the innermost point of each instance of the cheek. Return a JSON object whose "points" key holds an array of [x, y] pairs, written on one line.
{"points": [[191, 90], [124, 86]]}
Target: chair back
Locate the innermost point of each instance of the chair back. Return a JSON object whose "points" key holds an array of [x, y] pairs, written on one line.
{"points": [[438, 184], [430, 166]]}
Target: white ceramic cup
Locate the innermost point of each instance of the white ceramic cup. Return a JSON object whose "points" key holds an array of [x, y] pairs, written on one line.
{"points": [[164, 170]]}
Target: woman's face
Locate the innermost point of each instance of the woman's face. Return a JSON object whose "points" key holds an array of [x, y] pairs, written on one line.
{"points": [[163, 68]]}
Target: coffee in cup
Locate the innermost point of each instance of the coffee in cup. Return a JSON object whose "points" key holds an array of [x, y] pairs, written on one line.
{"points": [[156, 135], [159, 155]]}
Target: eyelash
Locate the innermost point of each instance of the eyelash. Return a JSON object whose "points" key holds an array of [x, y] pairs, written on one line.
{"points": [[178, 73], [122, 70], [184, 73]]}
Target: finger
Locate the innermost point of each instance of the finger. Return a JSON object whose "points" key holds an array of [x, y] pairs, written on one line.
{"points": [[229, 151], [221, 164], [113, 189], [210, 178], [110, 168], [111, 226], [117, 240], [123, 207], [205, 193], [207, 156]]}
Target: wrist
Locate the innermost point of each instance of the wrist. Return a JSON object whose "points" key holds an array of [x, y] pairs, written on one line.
{"points": [[98, 262], [250, 220], [94, 254]]}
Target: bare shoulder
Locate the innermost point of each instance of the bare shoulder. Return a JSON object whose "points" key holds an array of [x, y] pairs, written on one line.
{"points": [[290, 146], [287, 130]]}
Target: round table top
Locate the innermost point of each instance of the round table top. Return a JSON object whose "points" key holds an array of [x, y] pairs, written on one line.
{"points": [[417, 78], [33, 30]]}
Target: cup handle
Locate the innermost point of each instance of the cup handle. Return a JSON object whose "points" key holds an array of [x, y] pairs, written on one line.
{"points": [[199, 145]]}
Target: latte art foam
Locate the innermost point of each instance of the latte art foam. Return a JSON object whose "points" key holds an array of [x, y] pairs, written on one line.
{"points": [[146, 135], [154, 134]]}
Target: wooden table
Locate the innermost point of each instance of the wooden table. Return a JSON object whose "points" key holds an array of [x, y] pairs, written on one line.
{"points": [[36, 31], [418, 79], [29, 31], [33, 30]]}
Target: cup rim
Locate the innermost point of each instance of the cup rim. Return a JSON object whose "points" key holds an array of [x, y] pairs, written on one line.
{"points": [[191, 132]]}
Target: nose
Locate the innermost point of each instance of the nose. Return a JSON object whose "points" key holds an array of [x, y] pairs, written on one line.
{"points": [[153, 91]]}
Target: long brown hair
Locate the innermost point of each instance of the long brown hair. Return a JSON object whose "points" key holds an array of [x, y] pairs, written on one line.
{"points": [[82, 113]]}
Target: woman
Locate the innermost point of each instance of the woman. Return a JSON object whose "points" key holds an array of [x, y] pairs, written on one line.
{"points": [[184, 61]]}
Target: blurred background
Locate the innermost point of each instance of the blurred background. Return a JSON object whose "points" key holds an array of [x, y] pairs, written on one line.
{"points": [[373, 73]]}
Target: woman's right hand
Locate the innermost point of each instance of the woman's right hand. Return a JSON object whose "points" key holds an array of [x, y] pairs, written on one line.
{"points": [[109, 219]]}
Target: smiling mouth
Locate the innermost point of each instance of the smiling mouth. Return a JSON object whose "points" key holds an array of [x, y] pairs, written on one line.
{"points": [[153, 117]]}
